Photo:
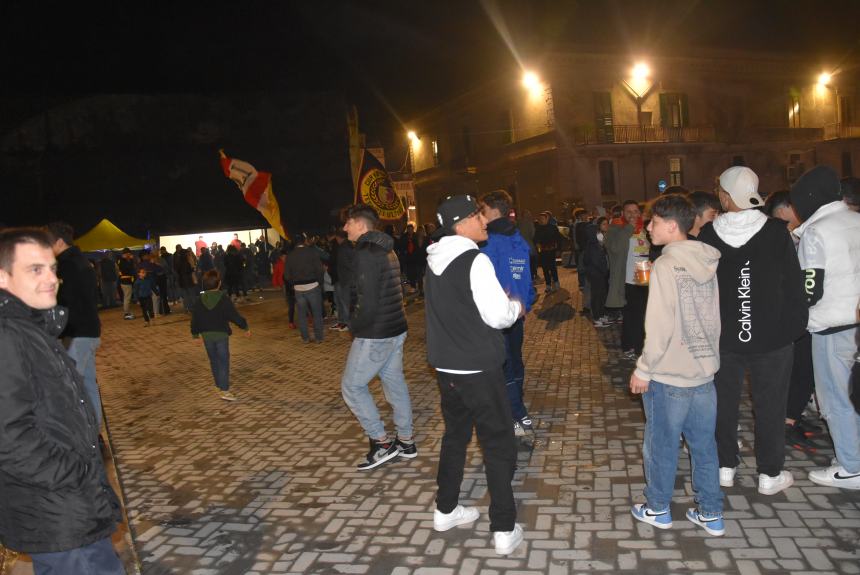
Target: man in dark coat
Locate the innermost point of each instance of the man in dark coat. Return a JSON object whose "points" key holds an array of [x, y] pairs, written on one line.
{"points": [[56, 504], [379, 326]]}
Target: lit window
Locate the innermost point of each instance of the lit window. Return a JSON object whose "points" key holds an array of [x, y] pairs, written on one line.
{"points": [[793, 111], [676, 175]]}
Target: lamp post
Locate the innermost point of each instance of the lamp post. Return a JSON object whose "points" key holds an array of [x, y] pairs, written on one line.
{"points": [[639, 85]]}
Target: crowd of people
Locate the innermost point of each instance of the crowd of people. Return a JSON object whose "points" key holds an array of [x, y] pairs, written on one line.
{"points": [[710, 289]]}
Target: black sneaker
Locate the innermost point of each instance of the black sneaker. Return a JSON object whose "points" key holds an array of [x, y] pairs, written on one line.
{"points": [[808, 428], [406, 449], [380, 452], [797, 439]]}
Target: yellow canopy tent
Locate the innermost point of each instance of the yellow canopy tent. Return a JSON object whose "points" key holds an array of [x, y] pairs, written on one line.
{"points": [[106, 236]]}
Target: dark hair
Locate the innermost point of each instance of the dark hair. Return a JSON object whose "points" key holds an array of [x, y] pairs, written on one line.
{"points": [[627, 203], [579, 212], [498, 200], [850, 190], [211, 280], [10, 238], [364, 212], [599, 221], [703, 200], [675, 207], [676, 190], [776, 200], [61, 231]]}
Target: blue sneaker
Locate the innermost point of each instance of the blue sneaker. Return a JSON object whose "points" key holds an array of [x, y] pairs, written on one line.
{"points": [[659, 519], [713, 525]]}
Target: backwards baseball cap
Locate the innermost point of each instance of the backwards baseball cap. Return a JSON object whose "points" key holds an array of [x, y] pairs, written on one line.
{"points": [[741, 184], [454, 209], [817, 187]]}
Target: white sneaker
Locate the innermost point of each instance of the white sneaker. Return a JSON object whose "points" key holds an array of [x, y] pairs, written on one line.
{"points": [[460, 516], [835, 476], [507, 541], [768, 485], [727, 476]]}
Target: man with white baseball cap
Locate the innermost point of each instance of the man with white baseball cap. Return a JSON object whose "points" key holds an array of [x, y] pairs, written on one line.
{"points": [[762, 312]]}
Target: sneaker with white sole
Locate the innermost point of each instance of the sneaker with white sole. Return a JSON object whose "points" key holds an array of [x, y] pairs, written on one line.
{"points": [[768, 485], [406, 449], [518, 429], [227, 396], [460, 516], [380, 452], [507, 541], [835, 476], [727, 476], [712, 524], [659, 519]]}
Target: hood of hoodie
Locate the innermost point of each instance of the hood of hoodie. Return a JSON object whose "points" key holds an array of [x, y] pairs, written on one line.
{"points": [[698, 258], [503, 226], [736, 228], [211, 298], [446, 250], [376, 237]]}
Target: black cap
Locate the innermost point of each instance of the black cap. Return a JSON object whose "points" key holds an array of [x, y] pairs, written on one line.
{"points": [[454, 209], [818, 186]]}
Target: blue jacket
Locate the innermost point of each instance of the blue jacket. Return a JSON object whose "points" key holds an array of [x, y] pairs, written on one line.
{"points": [[144, 287], [509, 253]]}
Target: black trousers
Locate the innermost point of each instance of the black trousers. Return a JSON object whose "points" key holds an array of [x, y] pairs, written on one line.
{"points": [[549, 267], [633, 328], [477, 400], [802, 378], [146, 307], [599, 287], [770, 373]]}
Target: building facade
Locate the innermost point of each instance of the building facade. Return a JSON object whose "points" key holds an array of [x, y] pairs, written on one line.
{"points": [[591, 129]]}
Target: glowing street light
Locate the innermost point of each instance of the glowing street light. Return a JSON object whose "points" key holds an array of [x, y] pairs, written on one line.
{"points": [[531, 81], [413, 137], [824, 78], [640, 72]]}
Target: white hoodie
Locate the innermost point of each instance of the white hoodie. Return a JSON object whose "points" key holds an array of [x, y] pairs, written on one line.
{"points": [[496, 309], [682, 320]]}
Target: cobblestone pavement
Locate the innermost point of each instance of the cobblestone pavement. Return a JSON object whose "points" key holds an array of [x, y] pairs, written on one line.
{"points": [[268, 484]]}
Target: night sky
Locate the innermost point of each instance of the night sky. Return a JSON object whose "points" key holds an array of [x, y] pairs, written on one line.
{"points": [[391, 58]]}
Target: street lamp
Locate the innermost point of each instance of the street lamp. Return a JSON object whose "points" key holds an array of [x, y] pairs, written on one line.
{"points": [[824, 79], [639, 84], [532, 83]]}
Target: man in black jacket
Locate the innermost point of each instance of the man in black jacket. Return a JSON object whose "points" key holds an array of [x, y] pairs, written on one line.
{"points": [[57, 504], [305, 273], [78, 292], [379, 326]]}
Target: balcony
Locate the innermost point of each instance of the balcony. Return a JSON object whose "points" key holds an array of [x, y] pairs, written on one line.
{"points": [[643, 135], [840, 131]]}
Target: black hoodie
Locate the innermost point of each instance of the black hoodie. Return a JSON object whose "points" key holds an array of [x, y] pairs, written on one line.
{"points": [[379, 312]]}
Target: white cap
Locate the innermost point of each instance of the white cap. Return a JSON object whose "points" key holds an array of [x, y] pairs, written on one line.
{"points": [[741, 184]]}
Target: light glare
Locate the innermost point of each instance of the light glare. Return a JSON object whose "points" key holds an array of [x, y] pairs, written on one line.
{"points": [[641, 71], [531, 81], [824, 78]]}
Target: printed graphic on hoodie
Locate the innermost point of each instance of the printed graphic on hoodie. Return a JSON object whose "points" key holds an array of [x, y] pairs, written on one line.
{"points": [[696, 321], [745, 303]]}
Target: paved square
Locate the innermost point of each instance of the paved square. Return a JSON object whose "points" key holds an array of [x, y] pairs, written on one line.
{"points": [[268, 484]]}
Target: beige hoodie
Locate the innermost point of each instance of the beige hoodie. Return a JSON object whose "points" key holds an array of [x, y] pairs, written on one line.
{"points": [[682, 321]]}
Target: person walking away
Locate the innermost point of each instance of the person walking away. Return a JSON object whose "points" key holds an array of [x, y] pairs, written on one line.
{"points": [[77, 293], [626, 245], [109, 276], [595, 267], [378, 325], [763, 310], [675, 373], [509, 254], [830, 257], [466, 309], [304, 272], [343, 264], [57, 504], [185, 279], [548, 240], [234, 267], [126, 279], [211, 318]]}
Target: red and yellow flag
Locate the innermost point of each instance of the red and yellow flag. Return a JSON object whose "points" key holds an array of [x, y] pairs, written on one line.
{"points": [[374, 188], [257, 189]]}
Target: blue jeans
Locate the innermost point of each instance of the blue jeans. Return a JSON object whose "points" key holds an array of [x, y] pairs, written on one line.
{"points": [[342, 299], [97, 558], [514, 369], [832, 360], [83, 351], [310, 301], [219, 360], [367, 359], [669, 412]]}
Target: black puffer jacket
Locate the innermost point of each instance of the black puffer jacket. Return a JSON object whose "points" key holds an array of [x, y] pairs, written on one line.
{"points": [[54, 494], [78, 294], [379, 310]]}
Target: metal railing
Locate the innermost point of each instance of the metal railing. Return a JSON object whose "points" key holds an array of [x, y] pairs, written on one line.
{"points": [[620, 134], [838, 131]]}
